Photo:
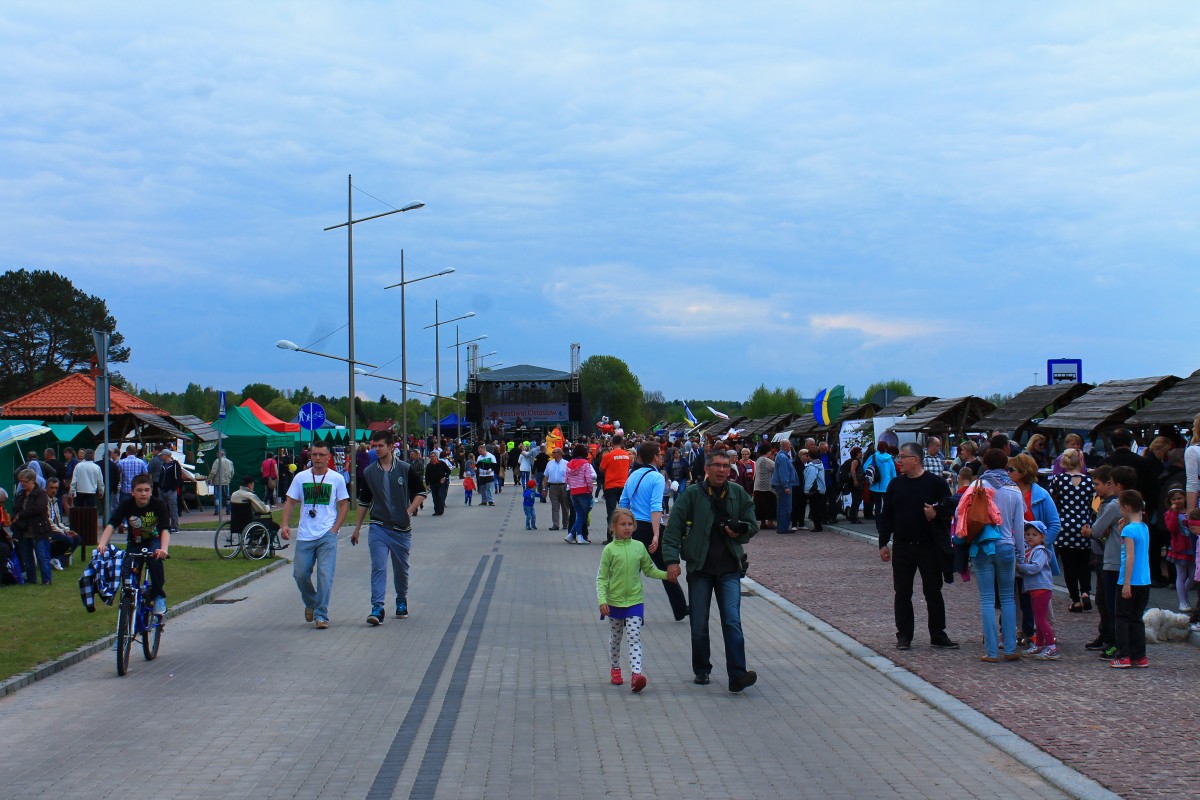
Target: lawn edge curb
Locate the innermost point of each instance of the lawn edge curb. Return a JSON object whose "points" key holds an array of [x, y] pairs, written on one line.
{"points": [[42, 671]]}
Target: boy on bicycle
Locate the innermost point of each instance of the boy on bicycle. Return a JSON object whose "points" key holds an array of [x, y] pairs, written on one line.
{"points": [[147, 524]]}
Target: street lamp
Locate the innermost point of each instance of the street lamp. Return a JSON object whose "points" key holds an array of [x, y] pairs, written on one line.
{"points": [[437, 358], [284, 344], [349, 226], [366, 374], [403, 343], [458, 376]]}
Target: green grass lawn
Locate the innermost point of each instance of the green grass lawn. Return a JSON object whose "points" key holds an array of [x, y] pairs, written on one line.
{"points": [[209, 523], [39, 623]]}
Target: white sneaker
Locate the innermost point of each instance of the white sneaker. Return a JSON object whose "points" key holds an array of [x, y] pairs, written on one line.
{"points": [[1183, 607], [56, 564], [1032, 651], [570, 538], [1195, 626]]}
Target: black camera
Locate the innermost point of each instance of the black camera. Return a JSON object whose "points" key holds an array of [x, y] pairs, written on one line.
{"points": [[312, 512]]}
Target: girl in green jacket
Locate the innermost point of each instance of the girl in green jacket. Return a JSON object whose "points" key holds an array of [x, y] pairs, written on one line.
{"points": [[619, 592]]}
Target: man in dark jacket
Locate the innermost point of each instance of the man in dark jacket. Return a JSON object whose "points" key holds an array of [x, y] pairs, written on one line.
{"points": [[437, 478], [170, 484], [910, 514], [708, 526]]}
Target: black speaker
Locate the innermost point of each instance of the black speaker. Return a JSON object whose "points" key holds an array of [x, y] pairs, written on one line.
{"points": [[474, 408], [575, 407]]}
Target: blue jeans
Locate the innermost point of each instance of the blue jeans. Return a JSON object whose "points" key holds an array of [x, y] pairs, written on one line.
{"points": [[221, 497], [27, 547], [990, 571], [321, 553], [783, 511], [728, 589], [383, 542], [582, 503], [530, 517], [486, 486]]}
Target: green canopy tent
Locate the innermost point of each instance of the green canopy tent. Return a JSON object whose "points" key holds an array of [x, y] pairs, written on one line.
{"points": [[246, 441]]}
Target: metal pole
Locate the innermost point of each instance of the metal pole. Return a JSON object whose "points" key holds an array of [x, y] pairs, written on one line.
{"points": [[403, 364], [353, 422], [437, 368], [220, 444], [457, 386]]}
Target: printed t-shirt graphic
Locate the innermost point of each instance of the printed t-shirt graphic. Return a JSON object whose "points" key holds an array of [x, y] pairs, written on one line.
{"points": [[318, 494]]}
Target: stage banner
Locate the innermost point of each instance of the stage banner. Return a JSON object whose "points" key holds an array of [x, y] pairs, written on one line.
{"points": [[529, 413]]}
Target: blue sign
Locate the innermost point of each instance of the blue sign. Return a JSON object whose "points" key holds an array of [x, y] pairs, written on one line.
{"points": [[312, 416], [220, 405], [1064, 370]]}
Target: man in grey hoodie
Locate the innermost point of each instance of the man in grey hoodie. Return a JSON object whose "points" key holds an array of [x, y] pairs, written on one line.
{"points": [[393, 493]]}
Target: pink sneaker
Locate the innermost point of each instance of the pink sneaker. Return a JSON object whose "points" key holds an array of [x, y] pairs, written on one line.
{"points": [[1120, 663], [616, 677], [1142, 662], [638, 682]]}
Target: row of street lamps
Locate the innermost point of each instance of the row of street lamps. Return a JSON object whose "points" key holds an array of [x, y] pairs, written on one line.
{"points": [[356, 367]]}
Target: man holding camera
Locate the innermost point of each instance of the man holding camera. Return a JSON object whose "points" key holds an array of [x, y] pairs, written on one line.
{"points": [[708, 526]]}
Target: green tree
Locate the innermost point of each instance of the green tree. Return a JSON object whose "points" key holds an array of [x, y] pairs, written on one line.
{"points": [[261, 393], [283, 408], [611, 389], [901, 388], [46, 329]]}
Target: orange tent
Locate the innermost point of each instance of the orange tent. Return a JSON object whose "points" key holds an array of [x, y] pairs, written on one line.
{"points": [[269, 419]]}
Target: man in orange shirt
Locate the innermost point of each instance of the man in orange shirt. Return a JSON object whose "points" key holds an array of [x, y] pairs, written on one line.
{"points": [[615, 467]]}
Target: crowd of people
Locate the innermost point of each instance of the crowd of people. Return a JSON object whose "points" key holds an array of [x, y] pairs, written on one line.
{"points": [[1011, 518]]}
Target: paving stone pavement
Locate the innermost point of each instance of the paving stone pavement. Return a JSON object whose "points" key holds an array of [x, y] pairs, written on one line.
{"points": [[495, 687], [1125, 729]]}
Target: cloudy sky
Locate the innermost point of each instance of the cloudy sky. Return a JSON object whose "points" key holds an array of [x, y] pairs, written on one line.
{"points": [[720, 194]]}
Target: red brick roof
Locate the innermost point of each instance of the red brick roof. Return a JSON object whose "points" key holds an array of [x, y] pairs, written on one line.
{"points": [[78, 393]]}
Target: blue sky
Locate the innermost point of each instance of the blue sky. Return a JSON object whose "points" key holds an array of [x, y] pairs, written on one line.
{"points": [[786, 193]]}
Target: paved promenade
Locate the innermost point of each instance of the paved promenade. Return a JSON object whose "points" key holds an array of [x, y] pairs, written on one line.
{"points": [[495, 687]]}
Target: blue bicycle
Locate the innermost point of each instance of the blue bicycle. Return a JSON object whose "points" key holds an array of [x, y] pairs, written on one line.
{"points": [[135, 616]]}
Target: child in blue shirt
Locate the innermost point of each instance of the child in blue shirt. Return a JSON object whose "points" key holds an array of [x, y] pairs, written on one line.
{"points": [[1135, 584], [531, 494]]}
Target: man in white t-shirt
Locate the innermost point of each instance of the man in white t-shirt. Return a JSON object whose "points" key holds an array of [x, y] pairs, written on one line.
{"points": [[485, 473], [323, 499]]}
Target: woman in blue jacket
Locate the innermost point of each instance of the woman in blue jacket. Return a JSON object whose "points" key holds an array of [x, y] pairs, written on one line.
{"points": [[882, 467]]}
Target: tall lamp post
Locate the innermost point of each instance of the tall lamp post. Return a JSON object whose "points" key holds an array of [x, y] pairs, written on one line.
{"points": [[403, 345], [349, 226], [437, 358], [458, 376]]}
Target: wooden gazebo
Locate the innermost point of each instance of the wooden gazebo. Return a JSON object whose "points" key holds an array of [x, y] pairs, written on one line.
{"points": [[903, 406], [951, 415], [1177, 406], [1033, 403], [1109, 405]]}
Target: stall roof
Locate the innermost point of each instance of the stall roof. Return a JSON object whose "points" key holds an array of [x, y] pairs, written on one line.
{"points": [[1178, 405], [198, 427], [955, 414], [1110, 403], [161, 424], [267, 418], [723, 426], [1033, 402], [903, 406], [774, 424]]}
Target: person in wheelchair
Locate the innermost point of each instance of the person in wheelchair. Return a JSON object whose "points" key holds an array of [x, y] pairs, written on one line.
{"points": [[259, 512]]}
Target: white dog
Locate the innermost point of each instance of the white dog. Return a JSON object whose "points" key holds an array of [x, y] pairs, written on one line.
{"points": [[1165, 626]]}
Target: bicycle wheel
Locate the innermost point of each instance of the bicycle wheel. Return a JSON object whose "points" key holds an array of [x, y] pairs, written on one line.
{"points": [[256, 541], [124, 635], [227, 542], [152, 635]]}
